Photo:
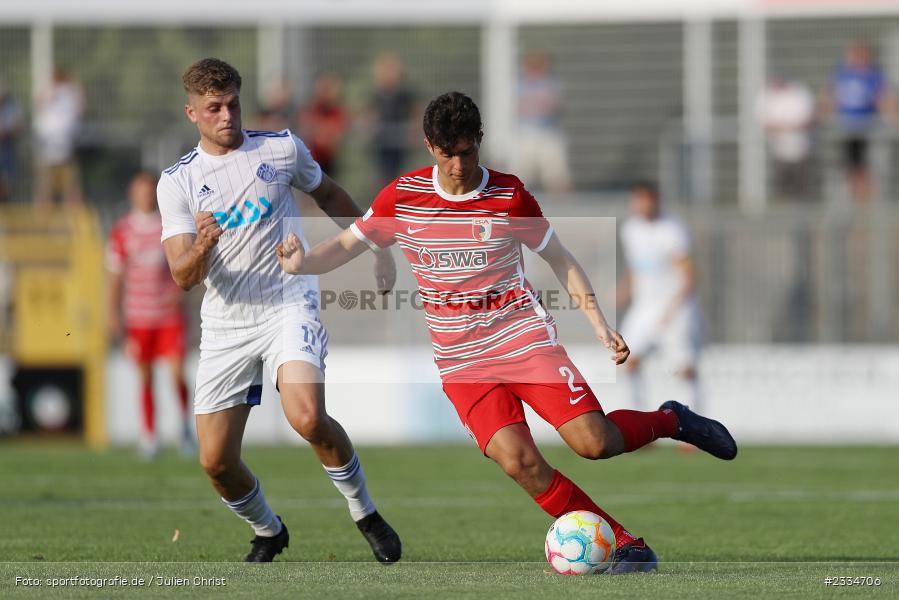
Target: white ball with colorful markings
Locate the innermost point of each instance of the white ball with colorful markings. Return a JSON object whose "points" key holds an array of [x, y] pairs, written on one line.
{"points": [[580, 543]]}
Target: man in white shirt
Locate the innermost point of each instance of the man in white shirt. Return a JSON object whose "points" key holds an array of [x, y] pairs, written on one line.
{"points": [[660, 286], [225, 206], [57, 118], [786, 109]]}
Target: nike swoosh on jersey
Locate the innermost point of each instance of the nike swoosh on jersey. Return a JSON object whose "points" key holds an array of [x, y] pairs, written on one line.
{"points": [[410, 230], [578, 399]]}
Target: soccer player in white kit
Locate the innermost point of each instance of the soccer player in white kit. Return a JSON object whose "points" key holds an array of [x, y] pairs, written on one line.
{"points": [[660, 285], [225, 206]]}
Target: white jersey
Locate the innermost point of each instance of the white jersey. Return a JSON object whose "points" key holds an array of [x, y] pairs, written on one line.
{"points": [[249, 193], [651, 249]]}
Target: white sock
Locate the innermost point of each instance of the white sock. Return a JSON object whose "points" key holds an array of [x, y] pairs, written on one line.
{"points": [[350, 481], [253, 509], [148, 440]]}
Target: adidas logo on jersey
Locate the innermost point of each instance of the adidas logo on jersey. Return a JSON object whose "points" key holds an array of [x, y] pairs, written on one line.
{"points": [[205, 191]]}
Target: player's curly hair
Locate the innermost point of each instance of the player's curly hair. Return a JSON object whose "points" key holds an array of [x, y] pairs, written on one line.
{"points": [[210, 75], [452, 118]]}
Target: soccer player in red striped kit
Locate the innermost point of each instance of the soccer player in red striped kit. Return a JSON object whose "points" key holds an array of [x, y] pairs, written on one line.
{"points": [[146, 307], [461, 227]]}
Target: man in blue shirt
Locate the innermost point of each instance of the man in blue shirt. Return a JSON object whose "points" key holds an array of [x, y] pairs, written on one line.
{"points": [[859, 94]]}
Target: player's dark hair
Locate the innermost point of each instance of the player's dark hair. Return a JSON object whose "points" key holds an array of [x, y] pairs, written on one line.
{"points": [[649, 187], [210, 76], [452, 118]]}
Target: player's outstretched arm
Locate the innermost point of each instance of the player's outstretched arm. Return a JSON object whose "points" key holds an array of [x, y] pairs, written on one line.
{"points": [[188, 254], [322, 258], [571, 275], [337, 203]]}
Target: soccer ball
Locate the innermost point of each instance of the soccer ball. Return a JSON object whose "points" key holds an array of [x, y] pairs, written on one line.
{"points": [[580, 543]]}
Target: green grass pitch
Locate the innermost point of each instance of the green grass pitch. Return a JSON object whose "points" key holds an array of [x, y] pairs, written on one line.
{"points": [[774, 523]]}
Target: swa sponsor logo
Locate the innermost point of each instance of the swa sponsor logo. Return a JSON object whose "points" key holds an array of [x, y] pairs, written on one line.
{"points": [[243, 214], [453, 259]]}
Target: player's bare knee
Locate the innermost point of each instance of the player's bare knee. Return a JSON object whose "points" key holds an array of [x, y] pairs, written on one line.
{"points": [[146, 372], [178, 376], [217, 467], [520, 466], [514, 469], [592, 437], [311, 424], [593, 447], [596, 444]]}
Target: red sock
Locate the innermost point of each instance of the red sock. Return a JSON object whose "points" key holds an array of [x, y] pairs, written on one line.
{"points": [[182, 396], [563, 496], [641, 428], [147, 408]]}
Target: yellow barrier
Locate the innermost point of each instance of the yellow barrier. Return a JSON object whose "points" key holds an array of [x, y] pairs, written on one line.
{"points": [[58, 311]]}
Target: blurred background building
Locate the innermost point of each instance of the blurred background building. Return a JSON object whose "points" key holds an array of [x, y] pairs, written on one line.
{"points": [[768, 124]]}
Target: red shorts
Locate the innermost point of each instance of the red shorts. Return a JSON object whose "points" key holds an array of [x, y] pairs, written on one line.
{"points": [[485, 408], [145, 344]]}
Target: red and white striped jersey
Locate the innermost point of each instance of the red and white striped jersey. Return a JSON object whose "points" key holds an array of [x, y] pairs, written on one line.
{"points": [[465, 252], [151, 297]]}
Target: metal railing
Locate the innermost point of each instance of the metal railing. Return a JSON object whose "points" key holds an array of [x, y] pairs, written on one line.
{"points": [[706, 171]]}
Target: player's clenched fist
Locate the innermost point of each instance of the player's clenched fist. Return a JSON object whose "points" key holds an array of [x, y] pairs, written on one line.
{"points": [[208, 230], [290, 254], [612, 340]]}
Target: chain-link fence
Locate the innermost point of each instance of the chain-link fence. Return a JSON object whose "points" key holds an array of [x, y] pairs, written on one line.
{"points": [[793, 275], [622, 84]]}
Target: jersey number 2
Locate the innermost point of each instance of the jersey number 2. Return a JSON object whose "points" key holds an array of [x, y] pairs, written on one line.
{"points": [[566, 372]]}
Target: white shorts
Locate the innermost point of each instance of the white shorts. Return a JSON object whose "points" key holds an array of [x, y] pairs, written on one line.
{"points": [[679, 342], [230, 370]]}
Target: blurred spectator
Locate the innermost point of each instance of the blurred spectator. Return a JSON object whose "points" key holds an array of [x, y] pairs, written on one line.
{"points": [[323, 122], [660, 287], [277, 108], [145, 306], [390, 113], [57, 117], [541, 157], [10, 130], [786, 110], [858, 96]]}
